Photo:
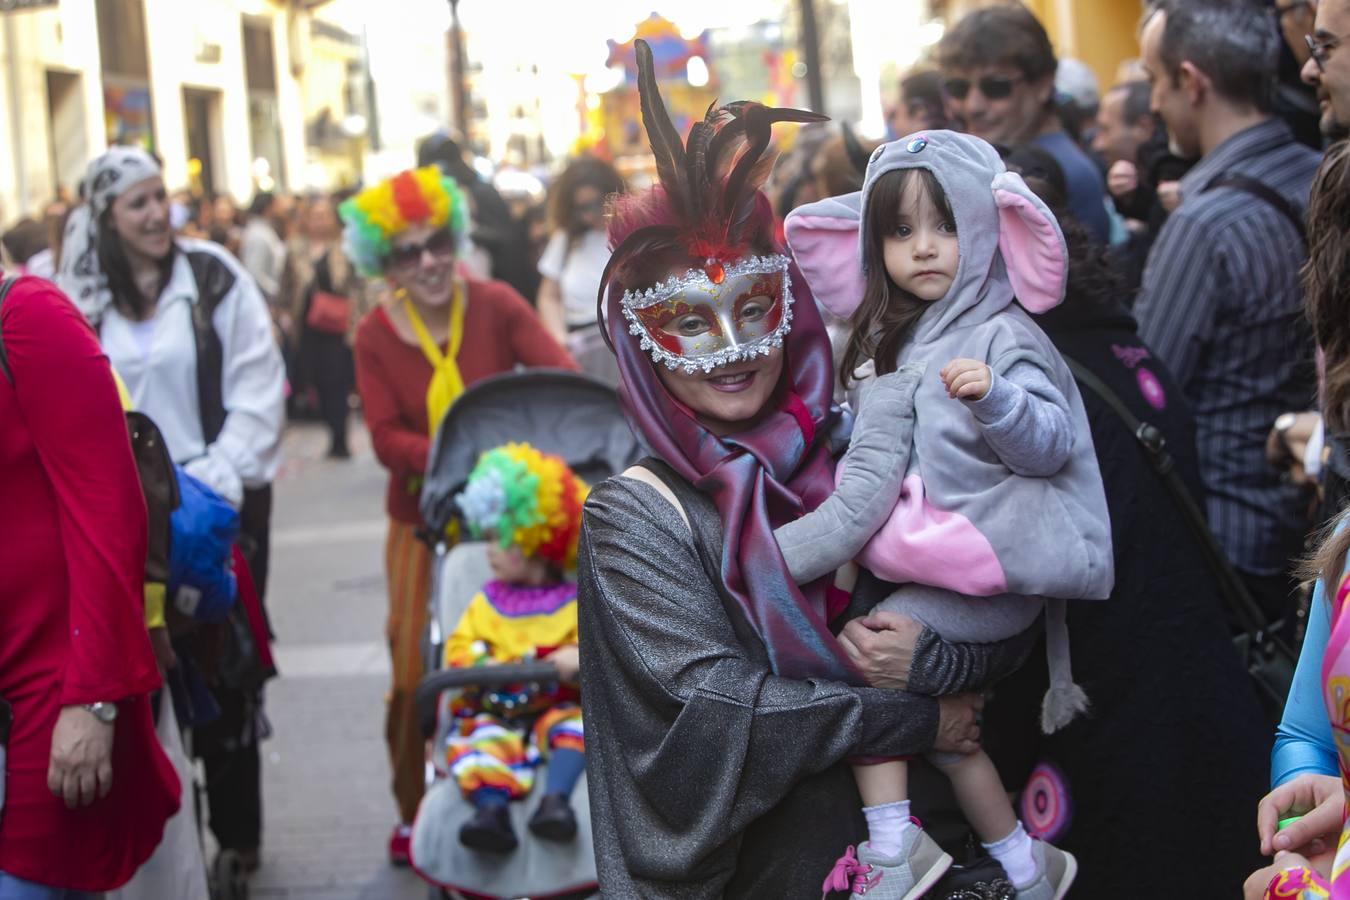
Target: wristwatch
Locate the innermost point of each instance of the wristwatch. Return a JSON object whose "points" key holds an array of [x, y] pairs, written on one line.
{"points": [[104, 712]]}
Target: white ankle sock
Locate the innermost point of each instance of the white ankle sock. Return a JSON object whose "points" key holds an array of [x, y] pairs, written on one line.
{"points": [[886, 827], [1014, 853]]}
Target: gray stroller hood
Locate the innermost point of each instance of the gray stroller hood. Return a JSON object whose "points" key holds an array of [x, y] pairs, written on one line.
{"points": [[569, 415]]}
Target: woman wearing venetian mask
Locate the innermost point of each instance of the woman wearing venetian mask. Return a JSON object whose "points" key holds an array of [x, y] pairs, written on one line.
{"points": [[438, 333], [720, 709]]}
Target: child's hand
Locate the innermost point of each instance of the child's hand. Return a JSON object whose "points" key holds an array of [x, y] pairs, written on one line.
{"points": [[568, 661], [966, 379]]}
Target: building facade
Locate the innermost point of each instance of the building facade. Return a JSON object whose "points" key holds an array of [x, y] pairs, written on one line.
{"points": [[232, 95]]}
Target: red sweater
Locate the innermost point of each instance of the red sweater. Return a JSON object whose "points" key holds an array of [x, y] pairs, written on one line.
{"points": [[500, 331], [72, 558]]}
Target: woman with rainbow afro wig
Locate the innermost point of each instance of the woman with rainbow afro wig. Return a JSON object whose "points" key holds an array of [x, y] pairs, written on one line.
{"points": [[528, 506], [436, 332]]}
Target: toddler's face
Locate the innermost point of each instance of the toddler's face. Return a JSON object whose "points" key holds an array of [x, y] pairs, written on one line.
{"points": [[508, 564], [921, 256], [513, 567]]}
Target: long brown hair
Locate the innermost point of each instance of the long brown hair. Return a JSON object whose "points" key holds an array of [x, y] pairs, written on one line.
{"points": [[584, 171], [887, 313], [1326, 291]]}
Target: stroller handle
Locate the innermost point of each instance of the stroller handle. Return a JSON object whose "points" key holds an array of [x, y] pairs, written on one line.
{"points": [[433, 683]]}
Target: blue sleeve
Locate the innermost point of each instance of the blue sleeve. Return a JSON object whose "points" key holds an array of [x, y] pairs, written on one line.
{"points": [[1025, 419], [1303, 741]]}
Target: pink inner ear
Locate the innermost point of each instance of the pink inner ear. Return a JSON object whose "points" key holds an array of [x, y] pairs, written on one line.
{"points": [[1032, 250], [826, 250]]}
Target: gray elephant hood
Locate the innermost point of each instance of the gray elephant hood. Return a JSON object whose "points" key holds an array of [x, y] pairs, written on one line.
{"points": [[1010, 244]]}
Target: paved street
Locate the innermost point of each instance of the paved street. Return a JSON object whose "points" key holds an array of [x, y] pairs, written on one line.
{"points": [[328, 809]]}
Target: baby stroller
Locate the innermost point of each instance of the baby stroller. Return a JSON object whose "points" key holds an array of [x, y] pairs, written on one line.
{"points": [[577, 418]]}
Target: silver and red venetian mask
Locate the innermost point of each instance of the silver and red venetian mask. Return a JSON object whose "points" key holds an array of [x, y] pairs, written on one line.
{"points": [[714, 315]]}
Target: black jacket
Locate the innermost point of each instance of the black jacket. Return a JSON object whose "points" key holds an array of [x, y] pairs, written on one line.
{"points": [[1174, 752]]}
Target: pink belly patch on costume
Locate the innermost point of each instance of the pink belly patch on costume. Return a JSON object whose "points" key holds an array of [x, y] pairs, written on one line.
{"points": [[923, 544]]}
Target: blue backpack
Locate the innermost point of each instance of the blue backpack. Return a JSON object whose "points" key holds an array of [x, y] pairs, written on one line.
{"points": [[202, 585]]}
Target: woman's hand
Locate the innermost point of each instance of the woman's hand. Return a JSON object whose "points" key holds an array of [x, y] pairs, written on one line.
{"points": [[80, 768], [882, 647], [1319, 799], [568, 661], [959, 723], [966, 379]]}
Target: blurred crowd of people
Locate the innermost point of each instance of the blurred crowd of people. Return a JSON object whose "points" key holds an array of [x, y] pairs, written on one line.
{"points": [[1204, 217]]}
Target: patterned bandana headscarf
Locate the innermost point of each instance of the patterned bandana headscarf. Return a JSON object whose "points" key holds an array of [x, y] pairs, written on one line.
{"points": [[106, 179]]}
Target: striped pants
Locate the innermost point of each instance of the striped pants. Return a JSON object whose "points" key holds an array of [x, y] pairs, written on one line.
{"points": [[488, 753], [407, 565]]}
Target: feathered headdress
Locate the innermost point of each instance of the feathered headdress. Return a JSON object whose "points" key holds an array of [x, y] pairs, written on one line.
{"points": [[708, 204]]}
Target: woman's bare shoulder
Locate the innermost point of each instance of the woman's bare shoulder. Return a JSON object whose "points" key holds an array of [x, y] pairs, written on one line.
{"points": [[637, 497]]}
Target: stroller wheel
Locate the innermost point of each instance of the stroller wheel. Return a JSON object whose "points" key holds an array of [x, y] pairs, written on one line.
{"points": [[228, 879]]}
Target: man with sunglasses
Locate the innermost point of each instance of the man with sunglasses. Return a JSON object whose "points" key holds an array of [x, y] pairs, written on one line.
{"points": [[1328, 65], [1220, 303], [999, 70]]}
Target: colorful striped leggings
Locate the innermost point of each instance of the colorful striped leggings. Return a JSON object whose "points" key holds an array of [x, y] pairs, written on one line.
{"points": [[485, 752]]}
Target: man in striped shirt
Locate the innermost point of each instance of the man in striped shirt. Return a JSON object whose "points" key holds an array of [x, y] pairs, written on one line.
{"points": [[1220, 302]]}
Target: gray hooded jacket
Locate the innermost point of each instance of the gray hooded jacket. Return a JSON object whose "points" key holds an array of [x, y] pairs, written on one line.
{"points": [[966, 523]]}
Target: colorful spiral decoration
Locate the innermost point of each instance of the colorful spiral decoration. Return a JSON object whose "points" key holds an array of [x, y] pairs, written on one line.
{"points": [[1047, 806]]}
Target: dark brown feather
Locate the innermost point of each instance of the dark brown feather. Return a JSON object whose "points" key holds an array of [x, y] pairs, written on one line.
{"points": [[665, 140]]}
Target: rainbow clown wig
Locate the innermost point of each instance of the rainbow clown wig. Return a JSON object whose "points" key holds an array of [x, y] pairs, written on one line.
{"points": [[526, 499], [374, 217]]}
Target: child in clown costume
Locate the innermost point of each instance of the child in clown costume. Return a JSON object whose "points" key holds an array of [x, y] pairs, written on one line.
{"points": [[528, 506]]}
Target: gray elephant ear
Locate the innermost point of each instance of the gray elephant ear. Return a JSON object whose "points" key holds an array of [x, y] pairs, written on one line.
{"points": [[1032, 244], [823, 238]]}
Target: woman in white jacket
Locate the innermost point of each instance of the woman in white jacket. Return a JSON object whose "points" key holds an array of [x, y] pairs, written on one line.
{"points": [[190, 334]]}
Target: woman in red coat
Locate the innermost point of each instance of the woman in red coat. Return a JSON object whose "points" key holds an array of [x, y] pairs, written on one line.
{"points": [[87, 789]]}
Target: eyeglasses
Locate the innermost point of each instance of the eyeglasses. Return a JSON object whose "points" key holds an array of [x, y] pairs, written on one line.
{"points": [[408, 256], [1321, 49], [993, 87]]}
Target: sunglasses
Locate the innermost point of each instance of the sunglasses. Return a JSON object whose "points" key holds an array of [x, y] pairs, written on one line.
{"points": [[993, 87], [408, 256]]}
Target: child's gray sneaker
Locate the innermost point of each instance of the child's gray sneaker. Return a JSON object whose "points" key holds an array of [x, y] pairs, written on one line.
{"points": [[1057, 872], [906, 876]]}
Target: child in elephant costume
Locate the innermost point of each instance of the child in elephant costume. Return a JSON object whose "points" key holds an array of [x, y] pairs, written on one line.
{"points": [[998, 503]]}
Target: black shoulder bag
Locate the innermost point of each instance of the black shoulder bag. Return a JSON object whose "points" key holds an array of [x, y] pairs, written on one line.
{"points": [[1263, 192], [1269, 659]]}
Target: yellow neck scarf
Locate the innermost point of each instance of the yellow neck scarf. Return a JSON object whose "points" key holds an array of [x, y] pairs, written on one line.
{"points": [[446, 383]]}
